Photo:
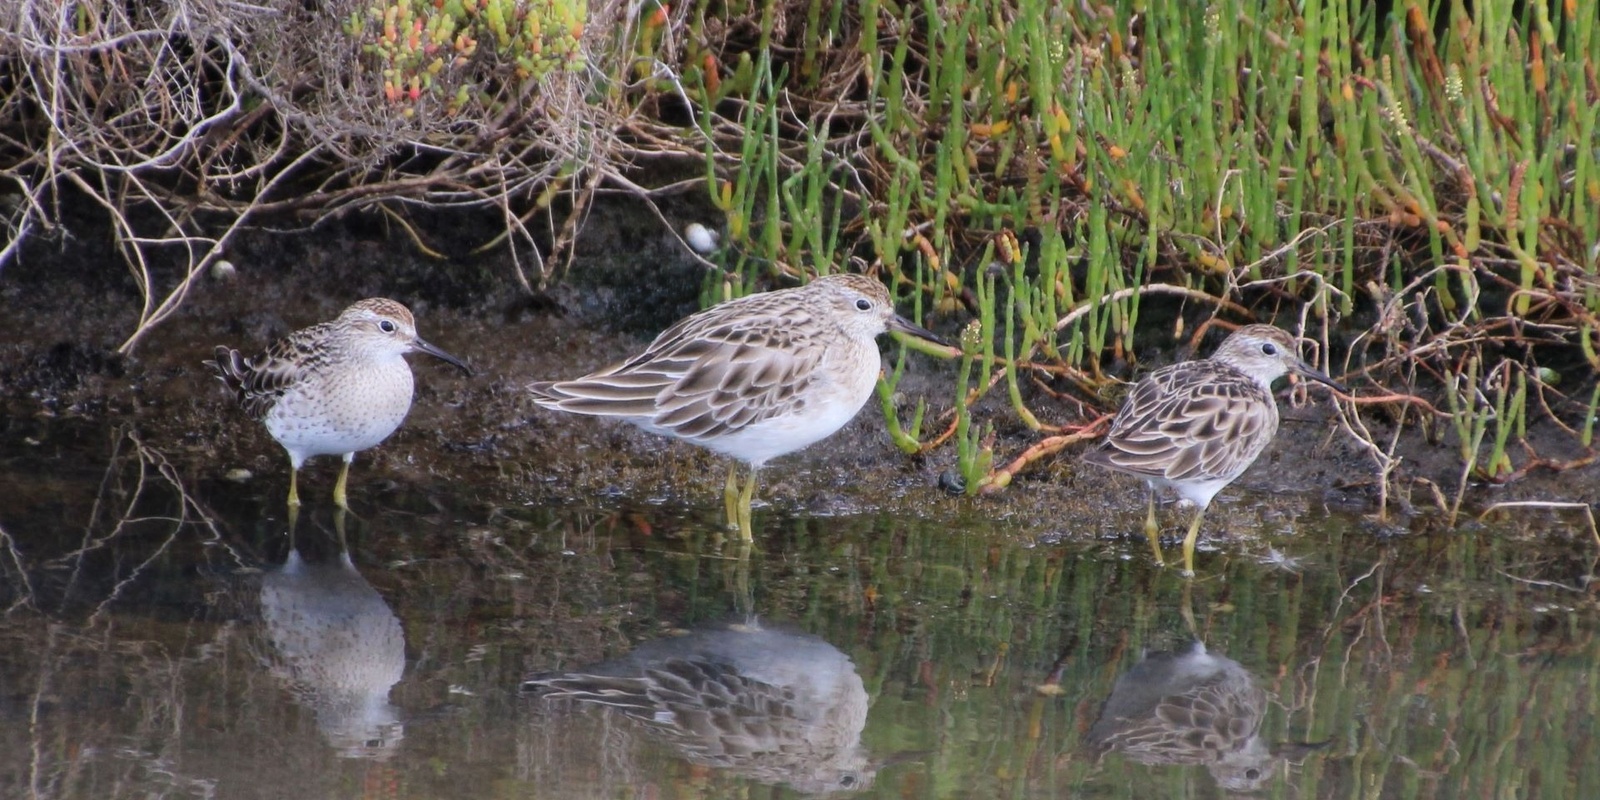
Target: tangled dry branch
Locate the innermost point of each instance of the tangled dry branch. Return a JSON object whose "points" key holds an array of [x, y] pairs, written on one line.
{"points": [[187, 122]]}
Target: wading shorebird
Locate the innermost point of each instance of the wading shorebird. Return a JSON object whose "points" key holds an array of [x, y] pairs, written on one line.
{"points": [[335, 388], [1196, 426], [753, 378], [1189, 706], [772, 706]]}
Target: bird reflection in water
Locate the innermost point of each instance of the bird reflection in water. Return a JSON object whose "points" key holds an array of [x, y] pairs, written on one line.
{"points": [[767, 705], [337, 647], [1189, 706]]}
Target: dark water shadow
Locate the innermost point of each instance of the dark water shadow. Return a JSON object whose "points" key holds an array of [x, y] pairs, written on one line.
{"points": [[168, 638]]}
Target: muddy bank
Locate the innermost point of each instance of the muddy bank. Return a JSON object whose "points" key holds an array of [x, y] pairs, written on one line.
{"points": [[478, 441]]}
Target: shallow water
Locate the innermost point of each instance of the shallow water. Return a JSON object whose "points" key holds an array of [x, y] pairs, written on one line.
{"points": [[165, 637]]}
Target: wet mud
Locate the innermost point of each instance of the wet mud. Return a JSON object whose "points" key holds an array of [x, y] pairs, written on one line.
{"points": [[164, 631], [478, 440]]}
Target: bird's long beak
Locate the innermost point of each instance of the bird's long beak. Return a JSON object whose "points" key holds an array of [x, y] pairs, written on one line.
{"points": [[903, 757], [903, 325], [1302, 368], [421, 346]]}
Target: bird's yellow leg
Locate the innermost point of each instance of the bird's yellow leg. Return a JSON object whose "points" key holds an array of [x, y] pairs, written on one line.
{"points": [[339, 497], [745, 531], [338, 527], [737, 574], [1186, 610], [294, 494], [730, 497], [1152, 530], [1189, 541]]}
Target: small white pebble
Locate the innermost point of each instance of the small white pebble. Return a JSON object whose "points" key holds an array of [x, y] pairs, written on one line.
{"points": [[239, 475], [701, 238], [223, 270]]}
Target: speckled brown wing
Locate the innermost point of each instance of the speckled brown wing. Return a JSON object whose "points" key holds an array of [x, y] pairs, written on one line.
{"points": [[713, 373], [258, 383], [718, 717], [1195, 421], [713, 713], [1204, 724], [725, 719]]}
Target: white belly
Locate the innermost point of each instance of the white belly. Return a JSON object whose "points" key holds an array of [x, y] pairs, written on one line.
{"points": [[829, 406], [344, 414]]}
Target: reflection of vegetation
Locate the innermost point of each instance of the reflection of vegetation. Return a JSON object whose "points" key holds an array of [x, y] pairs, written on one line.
{"points": [[138, 510], [1401, 656], [91, 560], [1431, 664], [1429, 176]]}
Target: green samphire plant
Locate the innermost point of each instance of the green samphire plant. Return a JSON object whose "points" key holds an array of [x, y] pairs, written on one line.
{"points": [[458, 52], [1416, 189]]}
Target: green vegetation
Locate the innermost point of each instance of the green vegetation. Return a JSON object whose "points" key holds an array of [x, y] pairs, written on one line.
{"points": [[1419, 191], [185, 123], [422, 47], [1415, 187], [1425, 666]]}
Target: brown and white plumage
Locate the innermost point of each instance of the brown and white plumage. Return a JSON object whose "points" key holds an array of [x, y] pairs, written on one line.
{"points": [[335, 388], [338, 648], [769, 705], [1188, 707], [753, 378], [713, 376], [1197, 426]]}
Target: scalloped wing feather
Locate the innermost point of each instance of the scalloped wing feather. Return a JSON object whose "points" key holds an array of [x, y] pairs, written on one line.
{"points": [[258, 383], [713, 713], [1200, 725], [1195, 421], [707, 376]]}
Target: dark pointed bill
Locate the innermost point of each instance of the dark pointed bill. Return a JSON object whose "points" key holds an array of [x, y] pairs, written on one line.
{"points": [[1301, 368], [903, 325], [421, 346]]}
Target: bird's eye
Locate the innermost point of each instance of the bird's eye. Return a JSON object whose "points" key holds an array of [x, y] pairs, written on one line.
{"points": [[1269, 349], [863, 304], [849, 780], [386, 326]]}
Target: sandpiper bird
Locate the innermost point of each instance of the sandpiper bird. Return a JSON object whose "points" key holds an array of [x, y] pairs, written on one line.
{"points": [[335, 388], [1189, 707], [1198, 425], [753, 378], [768, 705], [337, 647]]}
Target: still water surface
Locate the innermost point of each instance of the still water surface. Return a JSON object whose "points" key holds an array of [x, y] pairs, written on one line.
{"points": [[163, 637]]}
